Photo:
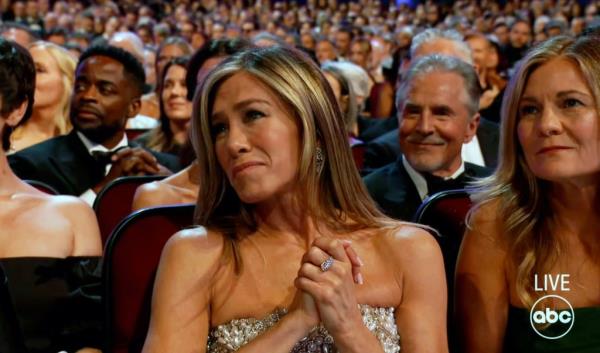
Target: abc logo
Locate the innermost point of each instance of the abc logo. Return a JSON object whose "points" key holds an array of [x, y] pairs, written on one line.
{"points": [[547, 316]]}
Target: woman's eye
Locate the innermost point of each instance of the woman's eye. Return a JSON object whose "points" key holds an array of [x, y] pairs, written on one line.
{"points": [[218, 129], [572, 103], [527, 110], [254, 114]]}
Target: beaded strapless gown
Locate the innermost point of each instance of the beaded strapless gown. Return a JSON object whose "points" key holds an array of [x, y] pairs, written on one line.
{"points": [[235, 334]]}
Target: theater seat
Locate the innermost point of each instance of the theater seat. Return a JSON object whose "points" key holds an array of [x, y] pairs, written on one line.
{"points": [[358, 152], [11, 339], [446, 212], [130, 262], [113, 203], [42, 186]]}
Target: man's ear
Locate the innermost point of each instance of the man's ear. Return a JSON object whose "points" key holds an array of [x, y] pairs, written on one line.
{"points": [[471, 129], [134, 107], [16, 115]]}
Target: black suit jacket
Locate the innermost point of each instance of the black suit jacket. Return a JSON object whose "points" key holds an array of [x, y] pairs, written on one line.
{"points": [[386, 148], [64, 163], [394, 191]]}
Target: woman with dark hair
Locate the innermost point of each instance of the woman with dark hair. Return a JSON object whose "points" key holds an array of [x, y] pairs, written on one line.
{"points": [[282, 215], [175, 110]]}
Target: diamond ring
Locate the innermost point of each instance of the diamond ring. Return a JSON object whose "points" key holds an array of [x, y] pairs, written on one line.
{"points": [[326, 265]]}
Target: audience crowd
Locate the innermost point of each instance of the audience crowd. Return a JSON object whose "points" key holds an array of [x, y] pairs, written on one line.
{"points": [[497, 98]]}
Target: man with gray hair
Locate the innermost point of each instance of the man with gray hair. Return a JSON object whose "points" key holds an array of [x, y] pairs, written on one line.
{"points": [[444, 42], [438, 105], [384, 148]]}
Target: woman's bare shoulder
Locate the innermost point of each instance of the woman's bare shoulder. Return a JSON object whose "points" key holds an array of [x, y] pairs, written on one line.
{"points": [[74, 217], [409, 240], [485, 222], [151, 194], [195, 244]]}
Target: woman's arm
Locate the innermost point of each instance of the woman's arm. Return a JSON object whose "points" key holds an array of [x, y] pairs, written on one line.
{"points": [[482, 296], [180, 301], [421, 316], [180, 320]]}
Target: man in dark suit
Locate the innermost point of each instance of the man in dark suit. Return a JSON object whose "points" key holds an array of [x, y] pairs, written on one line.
{"points": [[385, 149], [108, 86], [382, 141], [438, 113]]}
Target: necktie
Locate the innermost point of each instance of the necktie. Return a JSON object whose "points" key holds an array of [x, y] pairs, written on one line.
{"points": [[102, 157], [436, 184]]}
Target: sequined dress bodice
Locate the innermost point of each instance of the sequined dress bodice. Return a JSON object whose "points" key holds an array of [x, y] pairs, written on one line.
{"points": [[235, 334]]}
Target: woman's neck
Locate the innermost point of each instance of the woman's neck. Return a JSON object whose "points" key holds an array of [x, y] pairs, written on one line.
{"points": [[9, 183], [286, 218], [179, 130], [576, 205], [42, 122]]}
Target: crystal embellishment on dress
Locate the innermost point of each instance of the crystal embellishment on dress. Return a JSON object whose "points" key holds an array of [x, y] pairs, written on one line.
{"points": [[235, 334]]}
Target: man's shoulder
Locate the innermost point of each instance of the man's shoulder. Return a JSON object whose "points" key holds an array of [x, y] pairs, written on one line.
{"points": [[43, 149], [477, 171], [384, 177]]}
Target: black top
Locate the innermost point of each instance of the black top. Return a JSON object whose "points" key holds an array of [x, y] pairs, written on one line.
{"points": [[582, 338], [56, 301]]}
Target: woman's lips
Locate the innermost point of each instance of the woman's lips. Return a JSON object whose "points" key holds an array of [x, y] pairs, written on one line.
{"points": [[242, 167], [551, 149]]}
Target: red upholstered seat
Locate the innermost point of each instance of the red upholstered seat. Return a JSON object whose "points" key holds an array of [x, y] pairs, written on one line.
{"points": [[132, 134], [130, 262], [113, 203], [358, 152], [446, 212]]}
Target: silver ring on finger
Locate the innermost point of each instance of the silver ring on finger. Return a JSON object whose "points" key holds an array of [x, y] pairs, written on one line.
{"points": [[326, 265]]}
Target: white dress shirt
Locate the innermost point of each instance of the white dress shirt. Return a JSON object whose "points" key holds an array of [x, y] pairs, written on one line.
{"points": [[419, 180], [89, 195], [471, 152]]}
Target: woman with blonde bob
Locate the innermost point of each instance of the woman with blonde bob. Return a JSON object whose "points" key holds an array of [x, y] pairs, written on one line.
{"points": [[537, 217], [55, 70], [275, 266]]}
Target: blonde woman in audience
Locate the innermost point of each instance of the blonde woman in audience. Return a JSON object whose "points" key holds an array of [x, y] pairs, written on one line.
{"points": [[280, 202], [539, 214], [55, 69]]}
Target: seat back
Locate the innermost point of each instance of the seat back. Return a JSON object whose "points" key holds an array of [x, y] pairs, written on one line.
{"points": [[43, 187], [130, 262], [11, 339], [446, 212], [113, 202], [358, 152]]}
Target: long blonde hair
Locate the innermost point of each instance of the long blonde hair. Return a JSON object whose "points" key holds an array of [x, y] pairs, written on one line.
{"points": [[524, 208], [333, 196], [66, 64]]}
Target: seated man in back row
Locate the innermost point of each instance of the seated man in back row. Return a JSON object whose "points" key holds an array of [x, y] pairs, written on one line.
{"points": [[108, 86], [437, 104]]}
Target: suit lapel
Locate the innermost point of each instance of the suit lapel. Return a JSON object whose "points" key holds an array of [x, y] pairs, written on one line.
{"points": [[487, 135], [402, 193], [75, 165]]}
